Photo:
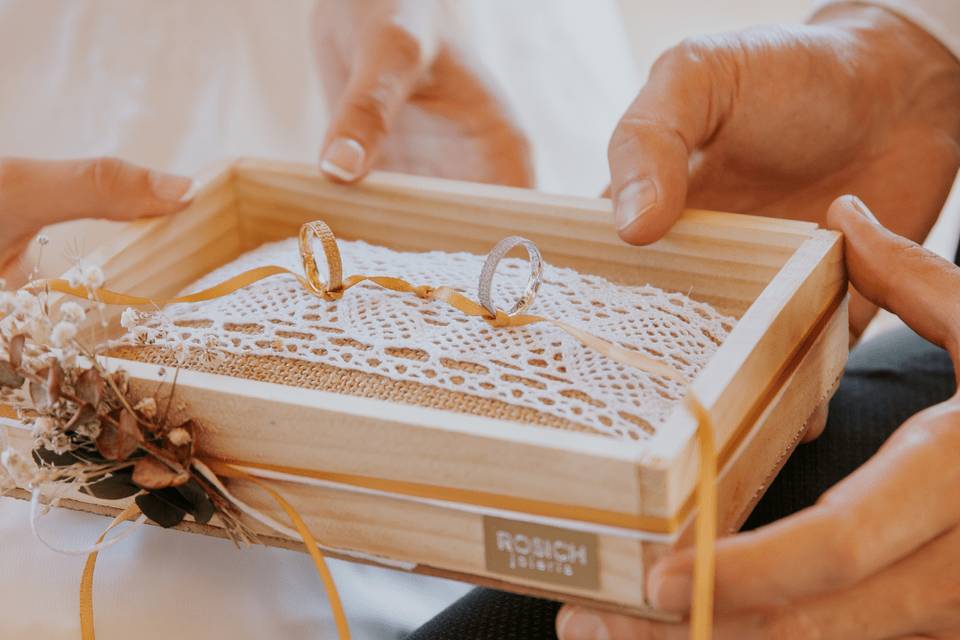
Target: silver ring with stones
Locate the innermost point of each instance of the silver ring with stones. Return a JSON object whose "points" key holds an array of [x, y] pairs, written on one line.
{"points": [[490, 269]]}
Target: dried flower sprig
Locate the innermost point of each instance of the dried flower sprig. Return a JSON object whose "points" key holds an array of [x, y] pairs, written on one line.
{"points": [[88, 431]]}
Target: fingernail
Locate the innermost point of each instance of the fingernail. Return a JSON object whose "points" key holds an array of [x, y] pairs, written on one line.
{"points": [[862, 209], [582, 625], [168, 187], [634, 200], [670, 592], [343, 159]]}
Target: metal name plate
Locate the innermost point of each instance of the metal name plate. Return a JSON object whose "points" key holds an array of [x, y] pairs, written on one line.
{"points": [[542, 553]]}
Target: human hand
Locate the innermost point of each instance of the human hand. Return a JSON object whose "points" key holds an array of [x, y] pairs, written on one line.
{"points": [[407, 95], [879, 555], [37, 193], [779, 121]]}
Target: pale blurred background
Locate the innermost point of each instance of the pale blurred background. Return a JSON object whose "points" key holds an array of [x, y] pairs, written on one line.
{"points": [[654, 26]]}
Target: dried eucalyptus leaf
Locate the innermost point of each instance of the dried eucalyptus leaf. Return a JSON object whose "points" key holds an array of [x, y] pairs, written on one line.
{"points": [[121, 381], [47, 457], [84, 415], [113, 487], [39, 395], [114, 444], [175, 498], [9, 376], [90, 387], [150, 473], [88, 453], [130, 427], [201, 507], [160, 511], [16, 350], [54, 381]]}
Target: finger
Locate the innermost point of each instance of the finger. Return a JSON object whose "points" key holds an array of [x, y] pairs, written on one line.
{"points": [[580, 623], [905, 496], [577, 623], [388, 67], [816, 423], [48, 191], [914, 596], [676, 111], [898, 274], [8, 262]]}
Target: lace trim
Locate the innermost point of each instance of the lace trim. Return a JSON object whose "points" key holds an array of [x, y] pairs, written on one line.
{"points": [[407, 338]]}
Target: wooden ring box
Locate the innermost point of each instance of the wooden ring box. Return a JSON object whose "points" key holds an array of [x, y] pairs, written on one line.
{"points": [[784, 281]]}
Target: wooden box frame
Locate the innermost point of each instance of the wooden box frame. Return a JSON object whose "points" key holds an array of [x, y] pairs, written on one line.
{"points": [[773, 375]]}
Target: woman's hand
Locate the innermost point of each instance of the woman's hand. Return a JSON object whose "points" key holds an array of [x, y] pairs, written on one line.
{"points": [[407, 96], [780, 121], [878, 556], [36, 193]]}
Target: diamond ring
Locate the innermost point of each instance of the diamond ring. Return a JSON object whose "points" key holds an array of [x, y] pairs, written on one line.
{"points": [[490, 269]]}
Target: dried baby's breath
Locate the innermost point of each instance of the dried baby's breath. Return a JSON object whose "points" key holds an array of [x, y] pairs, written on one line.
{"points": [[179, 437], [88, 432], [147, 407], [71, 312]]}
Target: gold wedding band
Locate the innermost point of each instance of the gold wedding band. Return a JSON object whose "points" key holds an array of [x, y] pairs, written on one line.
{"points": [[328, 242]]}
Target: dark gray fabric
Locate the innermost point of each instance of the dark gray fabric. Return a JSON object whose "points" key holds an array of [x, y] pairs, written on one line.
{"points": [[485, 614], [888, 379]]}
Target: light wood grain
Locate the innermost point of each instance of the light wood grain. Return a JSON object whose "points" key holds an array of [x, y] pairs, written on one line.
{"points": [[781, 279]]}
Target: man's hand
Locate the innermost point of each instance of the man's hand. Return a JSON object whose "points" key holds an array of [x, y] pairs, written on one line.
{"points": [[407, 96], [36, 193], [878, 556], [779, 121]]}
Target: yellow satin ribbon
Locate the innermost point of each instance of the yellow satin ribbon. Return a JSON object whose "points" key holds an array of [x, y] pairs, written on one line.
{"points": [[706, 525], [106, 296], [701, 618], [473, 497], [132, 511], [86, 580], [704, 563], [448, 295], [336, 605]]}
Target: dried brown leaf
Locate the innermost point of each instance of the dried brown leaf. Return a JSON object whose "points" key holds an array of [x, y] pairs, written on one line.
{"points": [[121, 381], [54, 381], [130, 426], [114, 443], [84, 414], [39, 395], [16, 350], [90, 387], [9, 377], [150, 473]]}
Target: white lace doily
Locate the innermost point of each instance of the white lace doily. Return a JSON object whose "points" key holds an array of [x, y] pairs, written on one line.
{"points": [[403, 337]]}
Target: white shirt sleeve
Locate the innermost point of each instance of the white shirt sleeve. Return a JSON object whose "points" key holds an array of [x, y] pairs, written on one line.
{"points": [[940, 18]]}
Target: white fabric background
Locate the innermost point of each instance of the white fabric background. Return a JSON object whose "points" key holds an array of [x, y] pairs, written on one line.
{"points": [[180, 84]]}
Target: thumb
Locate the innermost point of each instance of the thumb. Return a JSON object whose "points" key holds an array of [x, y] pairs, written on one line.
{"points": [[898, 274], [48, 191], [390, 63], [676, 111]]}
